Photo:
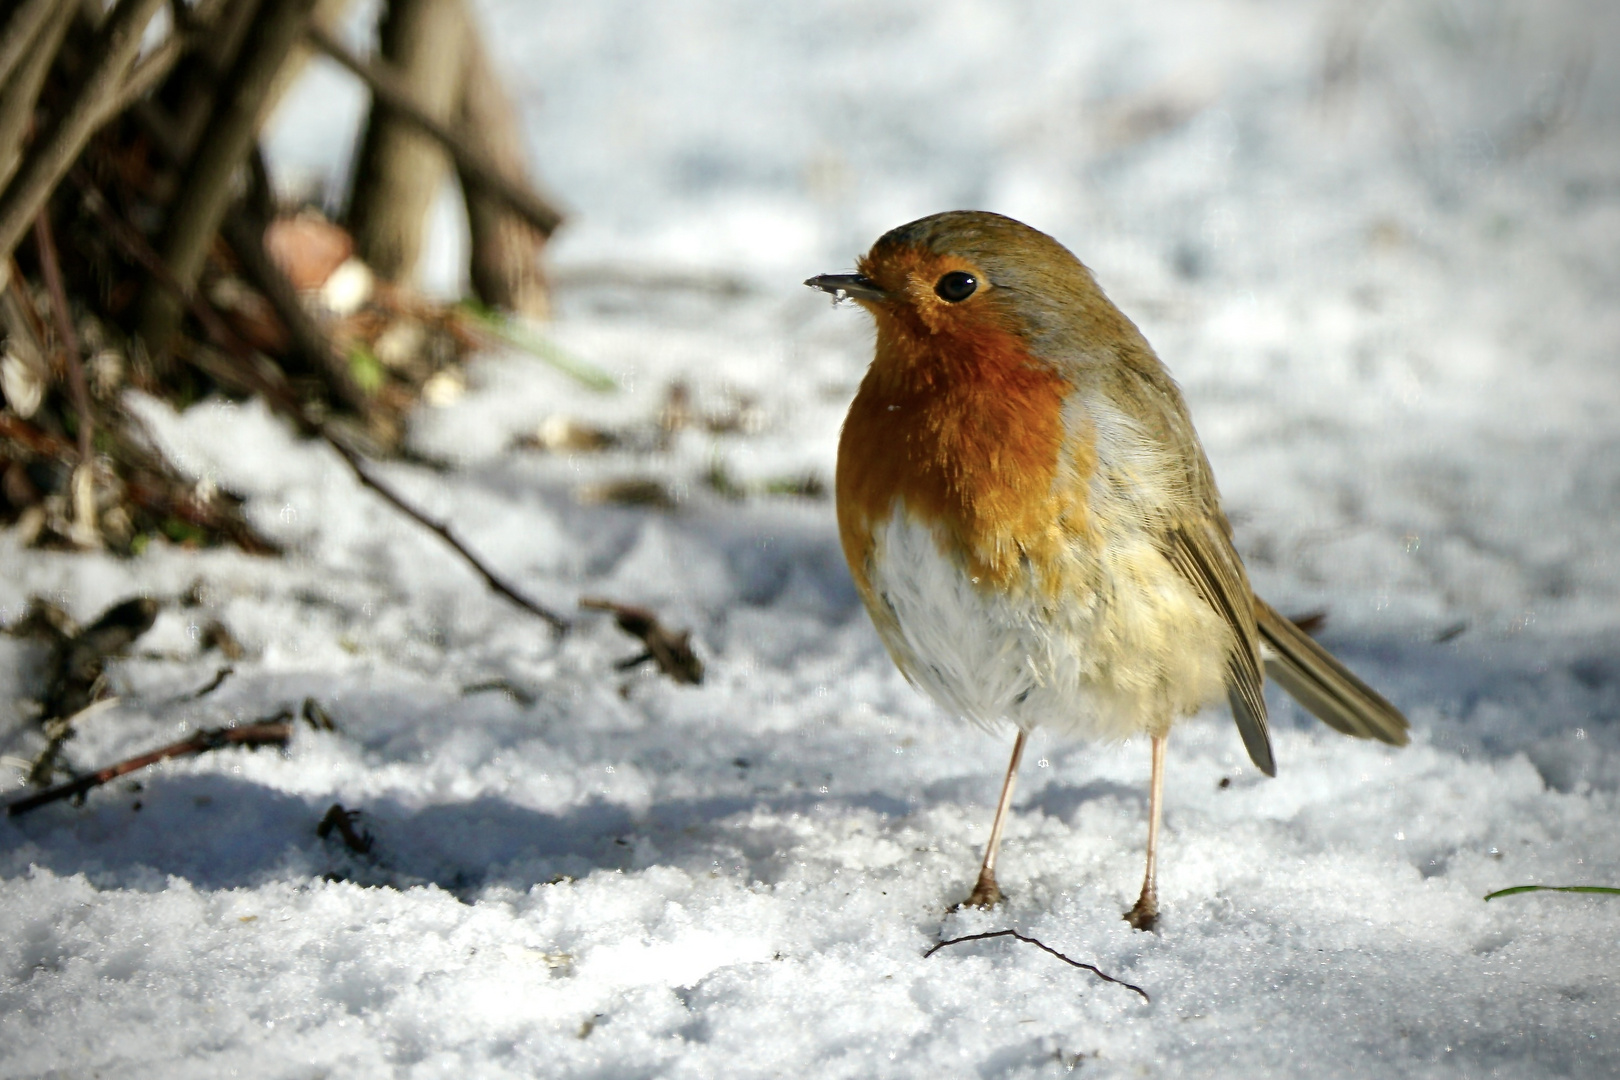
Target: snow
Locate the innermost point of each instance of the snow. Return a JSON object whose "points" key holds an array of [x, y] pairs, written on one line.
{"points": [[1391, 299]]}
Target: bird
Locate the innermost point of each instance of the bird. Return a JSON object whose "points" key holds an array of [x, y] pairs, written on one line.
{"points": [[1032, 524]]}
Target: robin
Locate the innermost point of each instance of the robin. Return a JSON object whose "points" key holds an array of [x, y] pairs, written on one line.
{"points": [[1031, 521]]}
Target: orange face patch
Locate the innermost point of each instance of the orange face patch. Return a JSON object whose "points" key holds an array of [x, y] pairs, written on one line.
{"points": [[957, 422]]}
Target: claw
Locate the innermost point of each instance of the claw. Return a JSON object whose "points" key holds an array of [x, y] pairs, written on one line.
{"points": [[986, 894]]}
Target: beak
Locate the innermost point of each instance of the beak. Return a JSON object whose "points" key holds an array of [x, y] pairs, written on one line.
{"points": [[854, 286]]}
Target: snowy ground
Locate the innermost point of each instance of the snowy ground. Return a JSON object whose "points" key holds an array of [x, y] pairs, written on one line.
{"points": [[1377, 244]]}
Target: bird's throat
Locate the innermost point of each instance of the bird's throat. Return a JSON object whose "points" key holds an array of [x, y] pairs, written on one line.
{"points": [[965, 431]]}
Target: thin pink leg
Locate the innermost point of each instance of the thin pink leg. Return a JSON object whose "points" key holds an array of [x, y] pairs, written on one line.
{"points": [[987, 893], [1146, 912]]}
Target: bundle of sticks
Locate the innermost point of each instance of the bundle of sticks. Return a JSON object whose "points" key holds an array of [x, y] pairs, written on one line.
{"points": [[143, 245]]}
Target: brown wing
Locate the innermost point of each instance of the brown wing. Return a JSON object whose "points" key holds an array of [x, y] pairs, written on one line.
{"points": [[1202, 553], [1197, 539]]}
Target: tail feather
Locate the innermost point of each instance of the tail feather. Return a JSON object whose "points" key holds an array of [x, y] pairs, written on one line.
{"points": [[1326, 687]]}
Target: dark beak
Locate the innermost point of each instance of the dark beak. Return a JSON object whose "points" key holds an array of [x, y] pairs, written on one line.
{"points": [[854, 286]]}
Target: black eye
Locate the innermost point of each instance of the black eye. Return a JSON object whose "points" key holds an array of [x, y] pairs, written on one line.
{"points": [[955, 287]]}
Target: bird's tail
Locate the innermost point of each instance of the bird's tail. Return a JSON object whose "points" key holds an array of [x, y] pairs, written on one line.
{"points": [[1326, 687]]}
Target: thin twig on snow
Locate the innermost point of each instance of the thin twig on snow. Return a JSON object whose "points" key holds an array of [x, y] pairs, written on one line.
{"points": [[1099, 972], [275, 733]]}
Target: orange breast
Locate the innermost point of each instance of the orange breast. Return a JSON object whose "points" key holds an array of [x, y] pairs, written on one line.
{"points": [[967, 433]]}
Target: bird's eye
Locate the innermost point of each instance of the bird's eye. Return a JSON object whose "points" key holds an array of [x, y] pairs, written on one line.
{"points": [[955, 287]]}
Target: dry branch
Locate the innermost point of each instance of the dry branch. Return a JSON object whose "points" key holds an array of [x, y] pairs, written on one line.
{"points": [[21, 30], [474, 168], [49, 159], [1099, 972], [274, 733], [670, 649], [309, 341], [81, 659], [51, 269], [200, 206], [31, 440], [224, 27], [400, 169], [356, 466], [342, 821], [503, 249], [19, 93], [252, 373], [148, 73]]}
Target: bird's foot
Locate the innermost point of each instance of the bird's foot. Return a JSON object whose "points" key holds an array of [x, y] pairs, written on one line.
{"points": [[1145, 915], [986, 894]]}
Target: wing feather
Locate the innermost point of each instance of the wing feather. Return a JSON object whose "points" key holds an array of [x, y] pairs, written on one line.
{"points": [[1203, 554], [1318, 681]]}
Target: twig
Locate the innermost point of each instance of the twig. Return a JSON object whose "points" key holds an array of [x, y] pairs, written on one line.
{"points": [[505, 686], [309, 341], [391, 90], [20, 31], [49, 159], [21, 91], [205, 194], [51, 267], [250, 735], [356, 465], [503, 262], [149, 71], [343, 821], [1602, 890], [316, 716], [58, 730], [672, 650], [1101, 974], [215, 683], [80, 661], [260, 375], [260, 378], [22, 435], [398, 169]]}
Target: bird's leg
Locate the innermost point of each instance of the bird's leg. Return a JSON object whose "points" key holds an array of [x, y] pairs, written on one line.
{"points": [[1145, 915], [987, 894]]}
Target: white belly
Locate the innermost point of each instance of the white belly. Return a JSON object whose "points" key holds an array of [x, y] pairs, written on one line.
{"points": [[1126, 647]]}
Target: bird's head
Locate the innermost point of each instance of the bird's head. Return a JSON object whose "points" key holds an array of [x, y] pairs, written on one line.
{"points": [[978, 287]]}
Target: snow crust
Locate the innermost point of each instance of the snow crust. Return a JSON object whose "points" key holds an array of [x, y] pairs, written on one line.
{"points": [[1380, 256]]}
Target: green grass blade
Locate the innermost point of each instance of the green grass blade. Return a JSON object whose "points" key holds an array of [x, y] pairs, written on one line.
{"points": [[1603, 890], [519, 336]]}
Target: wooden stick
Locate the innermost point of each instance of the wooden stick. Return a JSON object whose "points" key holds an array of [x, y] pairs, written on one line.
{"points": [[503, 263], [1043, 946], [356, 466], [21, 30], [399, 169], [254, 374], [205, 195], [197, 85], [51, 268], [148, 72], [19, 94], [309, 341], [250, 735], [32, 440], [670, 649], [114, 47], [474, 168]]}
